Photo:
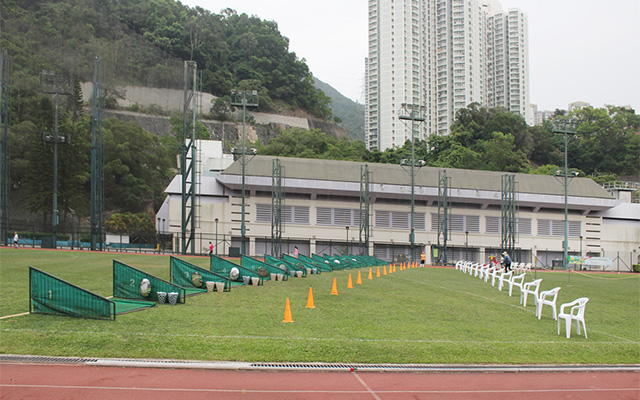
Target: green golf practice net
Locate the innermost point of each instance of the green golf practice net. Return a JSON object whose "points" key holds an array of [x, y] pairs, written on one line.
{"points": [[51, 295], [131, 283], [300, 263], [326, 261], [294, 270], [336, 262], [237, 273], [325, 267], [273, 273], [188, 276]]}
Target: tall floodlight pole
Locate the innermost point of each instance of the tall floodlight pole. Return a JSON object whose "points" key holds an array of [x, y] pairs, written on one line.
{"points": [[96, 161], [244, 98], [415, 114], [365, 207], [188, 162], [57, 85], [4, 152], [566, 126]]}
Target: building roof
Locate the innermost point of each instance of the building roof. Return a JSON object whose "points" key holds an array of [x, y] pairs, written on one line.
{"points": [[388, 180]]}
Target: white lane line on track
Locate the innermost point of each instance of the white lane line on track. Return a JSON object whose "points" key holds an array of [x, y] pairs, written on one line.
{"points": [[485, 391], [375, 396]]}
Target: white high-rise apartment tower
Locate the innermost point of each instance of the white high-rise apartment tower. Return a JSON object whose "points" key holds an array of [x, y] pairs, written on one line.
{"points": [[444, 55]]}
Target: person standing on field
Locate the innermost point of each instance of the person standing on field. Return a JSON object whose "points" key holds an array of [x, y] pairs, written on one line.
{"points": [[16, 239], [506, 261]]}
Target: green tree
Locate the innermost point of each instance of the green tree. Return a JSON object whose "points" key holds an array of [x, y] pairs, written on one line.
{"points": [[137, 168]]}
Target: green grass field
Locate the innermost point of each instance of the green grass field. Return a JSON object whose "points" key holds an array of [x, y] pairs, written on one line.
{"points": [[421, 315]]}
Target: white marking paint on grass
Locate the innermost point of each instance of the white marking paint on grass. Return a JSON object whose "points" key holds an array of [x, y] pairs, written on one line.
{"points": [[319, 339]]}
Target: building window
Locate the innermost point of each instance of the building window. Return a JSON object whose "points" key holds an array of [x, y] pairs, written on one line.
{"points": [[552, 227], [399, 220], [337, 216], [297, 215]]}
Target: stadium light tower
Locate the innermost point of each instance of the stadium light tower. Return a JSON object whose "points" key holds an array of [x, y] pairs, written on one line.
{"points": [[415, 114], [566, 126], [244, 98], [56, 85]]}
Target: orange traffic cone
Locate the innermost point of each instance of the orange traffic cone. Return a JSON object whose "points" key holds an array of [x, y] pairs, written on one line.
{"points": [[384, 270], [359, 280], [378, 272], [310, 299], [287, 312], [334, 288], [349, 283]]}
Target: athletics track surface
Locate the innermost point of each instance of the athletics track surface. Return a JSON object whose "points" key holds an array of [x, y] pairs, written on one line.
{"points": [[20, 380]]}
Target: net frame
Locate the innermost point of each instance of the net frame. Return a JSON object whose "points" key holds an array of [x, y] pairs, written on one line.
{"points": [[254, 264], [318, 263], [292, 267], [221, 266], [43, 299], [181, 273], [126, 284], [304, 264]]}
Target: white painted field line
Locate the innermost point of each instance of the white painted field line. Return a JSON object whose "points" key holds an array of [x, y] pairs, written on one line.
{"points": [[327, 339]]}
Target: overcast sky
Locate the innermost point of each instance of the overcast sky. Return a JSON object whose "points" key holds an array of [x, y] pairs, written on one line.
{"points": [[579, 50]]}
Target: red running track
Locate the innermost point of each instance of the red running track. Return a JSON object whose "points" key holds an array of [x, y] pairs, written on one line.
{"points": [[49, 381]]}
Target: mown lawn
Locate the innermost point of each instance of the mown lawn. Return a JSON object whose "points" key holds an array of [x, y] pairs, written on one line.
{"points": [[422, 315]]}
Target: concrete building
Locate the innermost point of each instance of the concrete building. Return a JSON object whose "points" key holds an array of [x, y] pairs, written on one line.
{"points": [[444, 55], [322, 212]]}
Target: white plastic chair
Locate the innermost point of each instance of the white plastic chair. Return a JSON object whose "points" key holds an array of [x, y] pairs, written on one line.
{"points": [[530, 288], [483, 270], [516, 280], [514, 266], [459, 264], [549, 298], [526, 268], [505, 276], [576, 313], [494, 274]]}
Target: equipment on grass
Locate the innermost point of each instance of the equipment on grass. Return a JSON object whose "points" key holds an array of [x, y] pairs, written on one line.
{"points": [[262, 271], [51, 295], [221, 266], [196, 279], [145, 287], [255, 264], [234, 273], [124, 278]]}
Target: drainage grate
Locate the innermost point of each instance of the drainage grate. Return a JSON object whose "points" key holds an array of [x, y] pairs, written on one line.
{"points": [[365, 367], [443, 368], [45, 359]]}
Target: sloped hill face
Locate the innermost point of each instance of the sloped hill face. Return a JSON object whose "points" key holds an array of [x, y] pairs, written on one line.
{"points": [[350, 113]]}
